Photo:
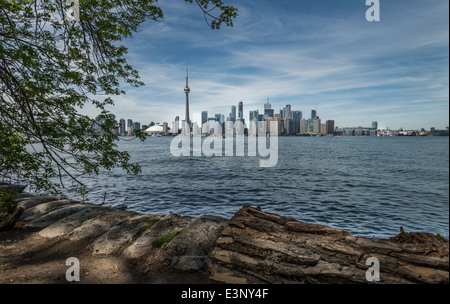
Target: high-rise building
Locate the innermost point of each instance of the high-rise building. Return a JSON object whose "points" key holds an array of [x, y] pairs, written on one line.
{"points": [[241, 111], [303, 126], [219, 118], [316, 125], [165, 128], [297, 117], [323, 129], [204, 117], [177, 124], [233, 113], [269, 112], [329, 127], [375, 125], [313, 114], [267, 105], [129, 123], [136, 125], [122, 128], [253, 114]]}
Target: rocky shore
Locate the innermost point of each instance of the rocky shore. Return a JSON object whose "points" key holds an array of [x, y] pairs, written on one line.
{"points": [[120, 246]]}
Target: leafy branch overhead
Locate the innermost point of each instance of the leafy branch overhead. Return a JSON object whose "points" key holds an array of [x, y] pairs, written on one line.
{"points": [[50, 67]]}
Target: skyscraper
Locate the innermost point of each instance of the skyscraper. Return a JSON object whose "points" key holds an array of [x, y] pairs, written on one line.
{"points": [[204, 117], [187, 90], [303, 126], [316, 125], [297, 116], [267, 105], [253, 114], [241, 111], [330, 127], [313, 114], [122, 128], [233, 113]]}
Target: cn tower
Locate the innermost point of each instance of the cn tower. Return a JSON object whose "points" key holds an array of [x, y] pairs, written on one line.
{"points": [[187, 90]]}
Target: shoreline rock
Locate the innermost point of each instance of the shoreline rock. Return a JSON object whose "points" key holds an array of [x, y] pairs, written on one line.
{"points": [[252, 247]]}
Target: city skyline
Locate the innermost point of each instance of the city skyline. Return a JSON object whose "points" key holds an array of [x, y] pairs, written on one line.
{"points": [[312, 56]]}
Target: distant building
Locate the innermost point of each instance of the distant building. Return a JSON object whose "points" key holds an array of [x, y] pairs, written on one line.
{"points": [[269, 112], [303, 126], [297, 117], [241, 111], [122, 128], [313, 114], [136, 126], [267, 105], [329, 127], [233, 113], [276, 119], [253, 114], [323, 129], [316, 125], [130, 130], [155, 130]]}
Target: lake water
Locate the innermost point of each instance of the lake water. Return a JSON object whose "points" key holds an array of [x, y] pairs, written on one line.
{"points": [[369, 186]]}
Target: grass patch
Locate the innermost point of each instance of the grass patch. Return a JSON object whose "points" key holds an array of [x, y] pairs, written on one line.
{"points": [[144, 228], [166, 238]]}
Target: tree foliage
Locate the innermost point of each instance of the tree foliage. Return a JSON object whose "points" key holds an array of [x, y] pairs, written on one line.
{"points": [[50, 67]]}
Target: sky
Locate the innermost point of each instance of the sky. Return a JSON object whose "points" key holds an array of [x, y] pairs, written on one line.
{"points": [[310, 54]]}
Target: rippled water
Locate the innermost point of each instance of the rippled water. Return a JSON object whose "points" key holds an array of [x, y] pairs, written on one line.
{"points": [[368, 185]]}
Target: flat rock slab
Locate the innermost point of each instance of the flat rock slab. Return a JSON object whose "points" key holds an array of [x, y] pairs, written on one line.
{"points": [[120, 236], [93, 228], [23, 195], [30, 202], [45, 208], [165, 225], [69, 223], [55, 215], [190, 250]]}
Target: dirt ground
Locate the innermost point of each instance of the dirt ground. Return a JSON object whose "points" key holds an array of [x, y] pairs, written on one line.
{"points": [[27, 258]]}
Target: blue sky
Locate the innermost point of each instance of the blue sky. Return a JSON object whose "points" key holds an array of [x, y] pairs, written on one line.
{"points": [[309, 54]]}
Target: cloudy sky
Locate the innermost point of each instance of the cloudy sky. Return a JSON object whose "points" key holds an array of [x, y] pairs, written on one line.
{"points": [[306, 53]]}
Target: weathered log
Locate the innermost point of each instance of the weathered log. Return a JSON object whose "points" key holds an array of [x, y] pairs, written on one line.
{"points": [[260, 247]]}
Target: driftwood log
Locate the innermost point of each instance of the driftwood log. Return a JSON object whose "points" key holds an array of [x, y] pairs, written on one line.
{"points": [[260, 247]]}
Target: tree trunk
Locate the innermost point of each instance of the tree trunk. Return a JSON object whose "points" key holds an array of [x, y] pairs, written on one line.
{"points": [[260, 247]]}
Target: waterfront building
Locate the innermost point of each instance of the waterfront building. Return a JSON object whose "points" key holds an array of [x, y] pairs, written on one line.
{"points": [[233, 113], [316, 125], [329, 127], [241, 111], [297, 117], [253, 114], [204, 117], [136, 125], [122, 128], [323, 129], [313, 114], [303, 126]]}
